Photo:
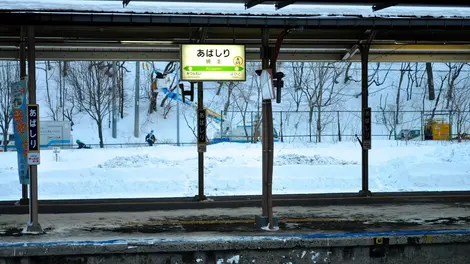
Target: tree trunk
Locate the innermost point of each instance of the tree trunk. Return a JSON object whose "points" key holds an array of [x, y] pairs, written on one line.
{"points": [[229, 95], [121, 98], [221, 84], [397, 101], [5, 138], [339, 126], [319, 124], [452, 77], [99, 122], [310, 120], [438, 98], [431, 92]]}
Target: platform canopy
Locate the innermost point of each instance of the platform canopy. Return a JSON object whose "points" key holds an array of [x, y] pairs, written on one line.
{"points": [[376, 5], [153, 30]]}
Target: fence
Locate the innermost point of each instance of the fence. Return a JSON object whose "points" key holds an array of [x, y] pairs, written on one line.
{"points": [[291, 126], [329, 126]]}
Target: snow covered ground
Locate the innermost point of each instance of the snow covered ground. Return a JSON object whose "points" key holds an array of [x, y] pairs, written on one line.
{"points": [[235, 169], [115, 6]]}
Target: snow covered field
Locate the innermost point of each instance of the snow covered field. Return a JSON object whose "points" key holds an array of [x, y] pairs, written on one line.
{"points": [[235, 169]]}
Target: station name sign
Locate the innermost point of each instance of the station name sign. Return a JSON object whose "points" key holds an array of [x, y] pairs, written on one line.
{"points": [[211, 62]]}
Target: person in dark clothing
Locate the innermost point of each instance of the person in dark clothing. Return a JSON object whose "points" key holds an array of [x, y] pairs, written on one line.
{"points": [[81, 145], [150, 138]]}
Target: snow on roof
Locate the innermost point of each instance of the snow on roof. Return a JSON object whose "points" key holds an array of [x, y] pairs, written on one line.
{"points": [[107, 6]]}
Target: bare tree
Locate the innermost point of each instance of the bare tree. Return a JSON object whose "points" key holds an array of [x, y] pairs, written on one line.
{"points": [[68, 106], [229, 87], [387, 117], [51, 97], [390, 114], [295, 89], [454, 72], [122, 95], [321, 90], [95, 89], [377, 76], [9, 73], [461, 104], [242, 99], [436, 103]]}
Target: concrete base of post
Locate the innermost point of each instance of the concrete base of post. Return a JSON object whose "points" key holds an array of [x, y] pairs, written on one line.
{"points": [[24, 201], [33, 229], [199, 198], [262, 222], [365, 193]]}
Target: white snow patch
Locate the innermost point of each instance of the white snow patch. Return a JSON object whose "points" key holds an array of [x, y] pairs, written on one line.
{"points": [[135, 161], [315, 256], [275, 228], [231, 9], [234, 260], [296, 159], [198, 260], [303, 254], [235, 169]]}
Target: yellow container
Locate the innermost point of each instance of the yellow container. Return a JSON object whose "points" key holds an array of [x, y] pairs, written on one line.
{"points": [[440, 131]]}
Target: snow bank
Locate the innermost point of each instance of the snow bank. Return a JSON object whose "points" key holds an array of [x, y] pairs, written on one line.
{"points": [[295, 159], [235, 169], [230, 9], [136, 161]]}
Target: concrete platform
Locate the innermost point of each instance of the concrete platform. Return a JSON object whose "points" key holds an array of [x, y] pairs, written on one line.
{"points": [[424, 233]]}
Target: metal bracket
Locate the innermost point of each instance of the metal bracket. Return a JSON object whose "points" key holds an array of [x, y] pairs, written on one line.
{"points": [[252, 3], [381, 6], [284, 4], [203, 34]]}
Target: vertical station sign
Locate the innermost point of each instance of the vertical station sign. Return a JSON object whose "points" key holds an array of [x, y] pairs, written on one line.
{"points": [[33, 134], [201, 130], [211, 62], [367, 128]]}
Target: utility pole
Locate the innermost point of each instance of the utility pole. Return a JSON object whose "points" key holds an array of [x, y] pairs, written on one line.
{"points": [[136, 105], [178, 117], [114, 114]]}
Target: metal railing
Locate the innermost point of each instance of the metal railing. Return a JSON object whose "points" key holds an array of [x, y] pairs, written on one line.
{"points": [[343, 125]]}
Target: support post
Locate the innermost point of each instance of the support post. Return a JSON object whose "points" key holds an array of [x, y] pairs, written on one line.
{"points": [[136, 97], [24, 187], [267, 218], [114, 114], [178, 118], [33, 224], [265, 105], [201, 134], [365, 116]]}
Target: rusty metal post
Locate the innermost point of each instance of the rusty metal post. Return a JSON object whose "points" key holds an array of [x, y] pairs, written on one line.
{"points": [[24, 187], [267, 218]]}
